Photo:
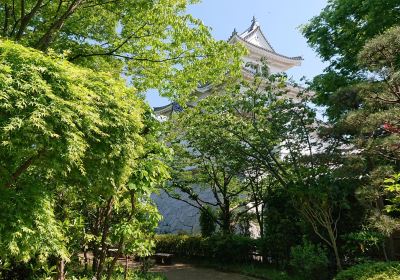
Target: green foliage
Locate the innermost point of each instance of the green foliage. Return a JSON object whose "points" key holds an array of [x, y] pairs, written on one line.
{"points": [[309, 261], [373, 128], [360, 89], [371, 271], [393, 188], [28, 226], [338, 34], [363, 244], [343, 27], [207, 159], [263, 135], [235, 143], [52, 113], [207, 222], [72, 140], [181, 245], [224, 249], [282, 227], [155, 44], [232, 248]]}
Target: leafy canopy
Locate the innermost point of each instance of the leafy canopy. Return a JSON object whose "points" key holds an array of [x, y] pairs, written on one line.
{"points": [[69, 136], [154, 43], [338, 34]]}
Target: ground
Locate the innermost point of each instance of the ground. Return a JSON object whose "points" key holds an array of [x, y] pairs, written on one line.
{"points": [[181, 271]]}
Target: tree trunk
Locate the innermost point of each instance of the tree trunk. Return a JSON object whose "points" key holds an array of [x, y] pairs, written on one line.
{"points": [[384, 251], [26, 19], [392, 250], [95, 249], [6, 19], [45, 41], [115, 259], [335, 249], [126, 267], [61, 270], [226, 218], [85, 258], [106, 227]]}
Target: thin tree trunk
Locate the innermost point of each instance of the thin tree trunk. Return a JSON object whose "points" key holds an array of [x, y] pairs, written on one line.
{"points": [[335, 249], [95, 249], [61, 270], [6, 18], [26, 19], [384, 251], [226, 218], [85, 258], [391, 248], [115, 259], [126, 268], [106, 227]]}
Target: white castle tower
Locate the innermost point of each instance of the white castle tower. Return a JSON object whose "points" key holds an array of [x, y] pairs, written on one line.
{"points": [[178, 215]]}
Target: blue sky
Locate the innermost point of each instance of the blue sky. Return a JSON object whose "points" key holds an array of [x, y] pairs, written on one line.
{"points": [[279, 20]]}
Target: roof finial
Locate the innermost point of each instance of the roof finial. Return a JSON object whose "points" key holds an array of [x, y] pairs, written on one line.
{"points": [[234, 32], [254, 23]]}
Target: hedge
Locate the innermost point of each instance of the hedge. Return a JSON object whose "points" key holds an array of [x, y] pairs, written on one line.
{"points": [[371, 271], [230, 249]]}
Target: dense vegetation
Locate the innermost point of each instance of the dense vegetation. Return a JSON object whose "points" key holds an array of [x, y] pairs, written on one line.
{"points": [[79, 159], [371, 271], [81, 151]]}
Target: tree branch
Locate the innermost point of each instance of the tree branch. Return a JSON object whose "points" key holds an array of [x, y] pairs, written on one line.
{"points": [[21, 169]]}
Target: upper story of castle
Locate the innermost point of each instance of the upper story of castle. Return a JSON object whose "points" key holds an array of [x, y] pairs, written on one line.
{"points": [[258, 48]]}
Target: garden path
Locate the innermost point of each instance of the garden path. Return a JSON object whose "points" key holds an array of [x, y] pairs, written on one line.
{"points": [[181, 271]]}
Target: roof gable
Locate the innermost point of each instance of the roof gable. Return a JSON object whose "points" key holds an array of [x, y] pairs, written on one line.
{"points": [[256, 37]]}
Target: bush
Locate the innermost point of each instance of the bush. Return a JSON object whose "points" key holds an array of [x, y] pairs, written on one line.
{"points": [[207, 222], [180, 245], [232, 248], [225, 249], [362, 246], [309, 261], [371, 271]]}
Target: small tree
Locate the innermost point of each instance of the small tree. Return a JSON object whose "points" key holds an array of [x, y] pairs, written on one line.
{"points": [[207, 221], [205, 161]]}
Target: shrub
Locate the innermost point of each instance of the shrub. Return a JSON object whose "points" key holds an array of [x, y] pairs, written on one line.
{"points": [[309, 261], [225, 249], [371, 271], [207, 222], [180, 245], [362, 245], [231, 248]]}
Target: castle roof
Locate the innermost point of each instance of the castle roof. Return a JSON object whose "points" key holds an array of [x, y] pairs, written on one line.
{"points": [[254, 39]]}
